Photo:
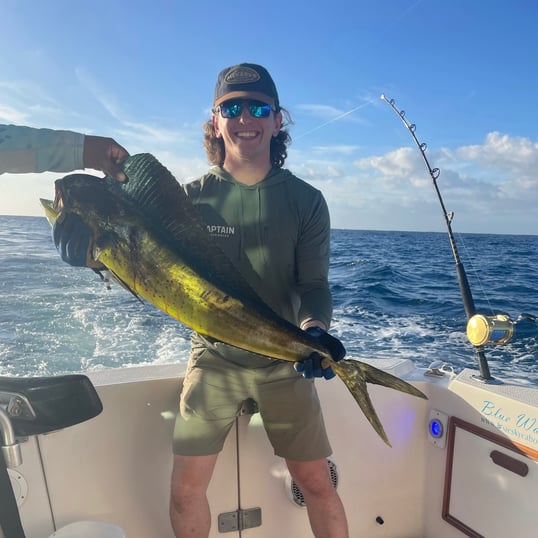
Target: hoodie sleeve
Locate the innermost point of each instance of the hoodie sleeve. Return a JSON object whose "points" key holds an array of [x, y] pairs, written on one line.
{"points": [[313, 252], [27, 150]]}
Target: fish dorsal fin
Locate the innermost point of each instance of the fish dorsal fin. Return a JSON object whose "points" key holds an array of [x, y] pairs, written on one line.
{"points": [[161, 200]]}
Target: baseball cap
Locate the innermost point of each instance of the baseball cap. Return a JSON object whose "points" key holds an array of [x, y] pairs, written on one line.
{"points": [[246, 80]]}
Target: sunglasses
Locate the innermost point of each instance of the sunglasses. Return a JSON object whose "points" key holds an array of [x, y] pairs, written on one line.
{"points": [[233, 109]]}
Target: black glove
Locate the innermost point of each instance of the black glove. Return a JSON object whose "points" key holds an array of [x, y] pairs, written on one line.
{"points": [[72, 239], [311, 367]]}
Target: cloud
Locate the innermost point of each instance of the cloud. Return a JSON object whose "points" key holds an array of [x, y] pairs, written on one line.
{"points": [[400, 163], [11, 115], [25, 103], [494, 182], [508, 160], [335, 150], [153, 137], [140, 135], [107, 101], [319, 164], [500, 161], [183, 168]]}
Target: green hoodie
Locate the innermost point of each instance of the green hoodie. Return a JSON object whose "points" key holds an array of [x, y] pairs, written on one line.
{"points": [[277, 232]]}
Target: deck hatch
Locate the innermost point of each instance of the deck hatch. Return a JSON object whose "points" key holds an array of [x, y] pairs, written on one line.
{"points": [[490, 486]]}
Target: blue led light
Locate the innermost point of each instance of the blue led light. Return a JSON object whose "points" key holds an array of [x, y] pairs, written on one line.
{"points": [[436, 428]]}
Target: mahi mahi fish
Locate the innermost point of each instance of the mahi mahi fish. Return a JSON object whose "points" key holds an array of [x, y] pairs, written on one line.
{"points": [[151, 238]]}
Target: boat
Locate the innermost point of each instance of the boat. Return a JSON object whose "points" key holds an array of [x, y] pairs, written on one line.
{"points": [[462, 463], [90, 454]]}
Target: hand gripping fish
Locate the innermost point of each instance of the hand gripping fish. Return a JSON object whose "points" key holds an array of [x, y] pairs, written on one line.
{"points": [[152, 239]]}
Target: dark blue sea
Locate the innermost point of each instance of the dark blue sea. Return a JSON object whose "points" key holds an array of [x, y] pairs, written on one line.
{"points": [[395, 295]]}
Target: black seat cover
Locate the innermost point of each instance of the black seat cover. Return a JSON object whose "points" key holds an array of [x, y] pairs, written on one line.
{"points": [[58, 402]]}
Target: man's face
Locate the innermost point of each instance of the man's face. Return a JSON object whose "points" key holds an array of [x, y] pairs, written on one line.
{"points": [[247, 136]]}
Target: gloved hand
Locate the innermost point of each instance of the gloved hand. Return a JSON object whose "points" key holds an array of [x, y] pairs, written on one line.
{"points": [[72, 239], [311, 367]]}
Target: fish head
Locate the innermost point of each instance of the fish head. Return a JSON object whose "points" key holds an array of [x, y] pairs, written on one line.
{"points": [[96, 202], [84, 195]]}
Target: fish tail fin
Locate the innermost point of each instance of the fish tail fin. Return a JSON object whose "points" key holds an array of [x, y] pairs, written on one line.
{"points": [[380, 377], [356, 375]]}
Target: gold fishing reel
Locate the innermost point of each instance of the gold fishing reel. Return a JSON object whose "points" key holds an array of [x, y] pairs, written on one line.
{"points": [[481, 329]]}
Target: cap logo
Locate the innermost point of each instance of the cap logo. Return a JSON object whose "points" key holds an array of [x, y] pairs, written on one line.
{"points": [[242, 75]]}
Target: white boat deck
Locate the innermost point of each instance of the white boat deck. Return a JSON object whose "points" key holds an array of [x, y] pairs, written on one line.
{"points": [[116, 467]]}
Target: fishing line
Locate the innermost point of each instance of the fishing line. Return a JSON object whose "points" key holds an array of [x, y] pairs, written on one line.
{"points": [[339, 117], [475, 272]]}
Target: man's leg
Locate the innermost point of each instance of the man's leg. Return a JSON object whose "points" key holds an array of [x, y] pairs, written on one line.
{"points": [[189, 508], [325, 509]]}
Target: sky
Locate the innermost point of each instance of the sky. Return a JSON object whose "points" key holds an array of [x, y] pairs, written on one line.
{"points": [[464, 71]]}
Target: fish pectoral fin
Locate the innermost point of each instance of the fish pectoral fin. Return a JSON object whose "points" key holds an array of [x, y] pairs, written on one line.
{"points": [[124, 285], [353, 376]]}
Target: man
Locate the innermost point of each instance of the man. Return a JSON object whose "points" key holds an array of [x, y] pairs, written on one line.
{"points": [[27, 150], [276, 229]]}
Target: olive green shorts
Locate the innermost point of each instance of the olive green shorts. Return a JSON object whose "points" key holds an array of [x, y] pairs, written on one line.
{"points": [[212, 395]]}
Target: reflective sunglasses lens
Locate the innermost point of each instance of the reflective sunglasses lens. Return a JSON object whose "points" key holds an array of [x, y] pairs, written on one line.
{"points": [[231, 110], [259, 110]]}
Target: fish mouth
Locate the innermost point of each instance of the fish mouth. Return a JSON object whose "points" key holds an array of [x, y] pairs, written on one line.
{"points": [[72, 189], [58, 196], [58, 201]]}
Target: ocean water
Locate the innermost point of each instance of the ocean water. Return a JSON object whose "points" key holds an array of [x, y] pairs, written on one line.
{"points": [[395, 295]]}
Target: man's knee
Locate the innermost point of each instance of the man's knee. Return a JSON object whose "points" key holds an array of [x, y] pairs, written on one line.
{"points": [[312, 477]]}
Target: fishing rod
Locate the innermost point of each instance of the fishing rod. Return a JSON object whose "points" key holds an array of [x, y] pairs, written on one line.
{"points": [[480, 329]]}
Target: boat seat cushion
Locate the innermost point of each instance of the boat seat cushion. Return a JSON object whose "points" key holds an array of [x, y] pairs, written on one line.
{"points": [[56, 402]]}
